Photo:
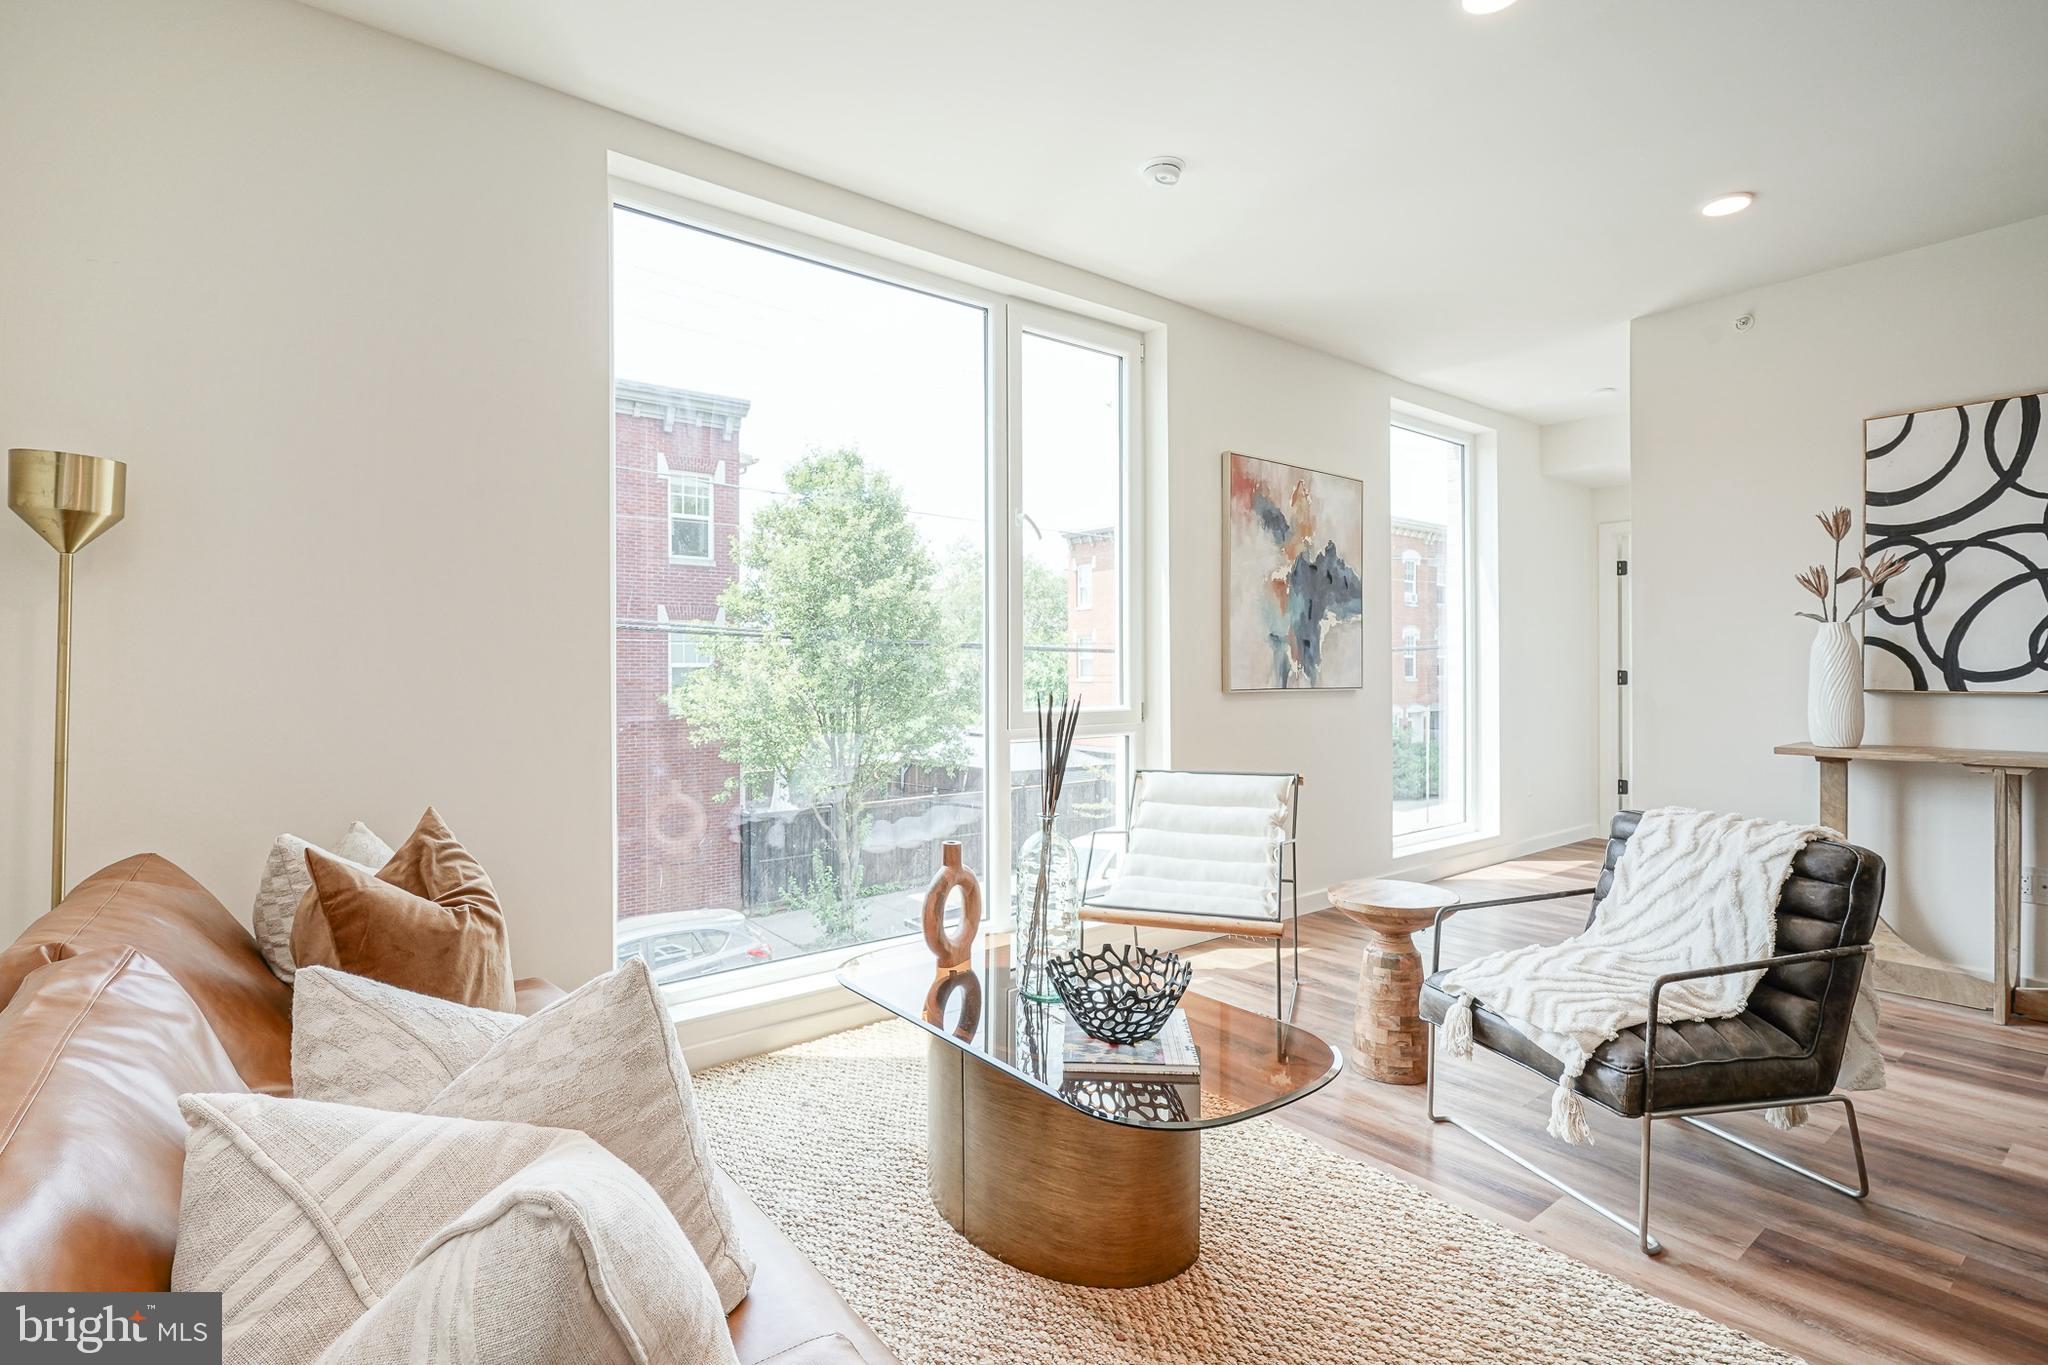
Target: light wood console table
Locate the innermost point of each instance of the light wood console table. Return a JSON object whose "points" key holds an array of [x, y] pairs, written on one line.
{"points": [[1899, 966]]}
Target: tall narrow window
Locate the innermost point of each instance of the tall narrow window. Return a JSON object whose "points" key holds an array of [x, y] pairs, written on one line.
{"points": [[689, 518], [1071, 442], [1073, 446], [685, 652], [1432, 739]]}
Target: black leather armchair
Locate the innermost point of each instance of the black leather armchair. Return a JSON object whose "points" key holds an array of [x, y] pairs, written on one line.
{"points": [[1785, 1049]]}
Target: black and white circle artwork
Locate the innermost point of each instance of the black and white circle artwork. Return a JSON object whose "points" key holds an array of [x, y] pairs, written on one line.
{"points": [[1962, 494]]}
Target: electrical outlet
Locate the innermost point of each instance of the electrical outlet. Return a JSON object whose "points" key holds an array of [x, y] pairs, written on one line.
{"points": [[2034, 885]]}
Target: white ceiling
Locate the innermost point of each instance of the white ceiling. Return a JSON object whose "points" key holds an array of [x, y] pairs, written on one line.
{"points": [[1475, 204]]}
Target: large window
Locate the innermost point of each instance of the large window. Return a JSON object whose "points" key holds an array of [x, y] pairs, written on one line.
{"points": [[849, 501], [1432, 632]]}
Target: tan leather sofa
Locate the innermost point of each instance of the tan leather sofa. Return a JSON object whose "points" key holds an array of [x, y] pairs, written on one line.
{"points": [[141, 987]]}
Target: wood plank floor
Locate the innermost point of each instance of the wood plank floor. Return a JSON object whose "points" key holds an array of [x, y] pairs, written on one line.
{"points": [[1946, 1262]]}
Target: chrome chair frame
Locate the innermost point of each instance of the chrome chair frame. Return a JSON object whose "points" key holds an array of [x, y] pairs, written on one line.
{"points": [[1648, 1244], [1286, 881]]}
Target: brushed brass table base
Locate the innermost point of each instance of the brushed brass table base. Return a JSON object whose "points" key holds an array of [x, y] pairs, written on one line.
{"points": [[1050, 1190]]}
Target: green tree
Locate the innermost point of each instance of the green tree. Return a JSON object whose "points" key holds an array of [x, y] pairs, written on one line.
{"points": [[836, 675], [1417, 766], [1045, 619]]}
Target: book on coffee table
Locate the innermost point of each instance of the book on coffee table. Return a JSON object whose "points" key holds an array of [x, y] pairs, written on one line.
{"points": [[1169, 1055]]}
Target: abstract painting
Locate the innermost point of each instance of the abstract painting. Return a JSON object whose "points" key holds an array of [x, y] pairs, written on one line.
{"points": [[1959, 493], [1293, 603]]}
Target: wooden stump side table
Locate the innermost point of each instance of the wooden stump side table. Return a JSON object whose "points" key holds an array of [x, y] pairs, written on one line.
{"points": [[1392, 1040]]}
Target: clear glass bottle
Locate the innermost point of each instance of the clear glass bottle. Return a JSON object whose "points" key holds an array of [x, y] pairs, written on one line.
{"points": [[1043, 933]]}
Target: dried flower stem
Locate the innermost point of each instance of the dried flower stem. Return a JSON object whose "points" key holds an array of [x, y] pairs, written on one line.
{"points": [[1055, 746], [1827, 587]]}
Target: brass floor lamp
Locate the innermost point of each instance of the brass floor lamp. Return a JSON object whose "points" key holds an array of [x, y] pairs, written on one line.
{"points": [[69, 500]]}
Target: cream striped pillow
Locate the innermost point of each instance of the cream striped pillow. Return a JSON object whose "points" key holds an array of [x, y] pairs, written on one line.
{"points": [[602, 1060], [303, 1215], [573, 1259], [306, 1217]]}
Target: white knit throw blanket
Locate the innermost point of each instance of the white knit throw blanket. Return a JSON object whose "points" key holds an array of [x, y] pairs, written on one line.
{"points": [[1691, 889]]}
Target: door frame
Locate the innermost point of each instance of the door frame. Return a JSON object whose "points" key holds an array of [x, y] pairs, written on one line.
{"points": [[1616, 708]]}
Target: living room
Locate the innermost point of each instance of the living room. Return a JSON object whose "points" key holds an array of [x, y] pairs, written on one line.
{"points": [[869, 533]]}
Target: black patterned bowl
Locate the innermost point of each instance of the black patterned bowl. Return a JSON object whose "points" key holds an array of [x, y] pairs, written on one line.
{"points": [[1119, 994]]}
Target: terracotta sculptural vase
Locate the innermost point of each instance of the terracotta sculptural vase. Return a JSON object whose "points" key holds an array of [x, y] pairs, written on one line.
{"points": [[951, 949]]}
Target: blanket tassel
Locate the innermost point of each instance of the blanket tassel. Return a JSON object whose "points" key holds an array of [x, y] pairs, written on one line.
{"points": [[1458, 1027], [1786, 1117], [1568, 1114]]}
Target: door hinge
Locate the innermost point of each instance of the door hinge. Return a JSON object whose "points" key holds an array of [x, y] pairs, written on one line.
{"points": [[1621, 568], [1621, 786], [1621, 677]]}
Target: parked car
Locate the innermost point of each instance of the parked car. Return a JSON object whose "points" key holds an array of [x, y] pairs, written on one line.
{"points": [[680, 945]]}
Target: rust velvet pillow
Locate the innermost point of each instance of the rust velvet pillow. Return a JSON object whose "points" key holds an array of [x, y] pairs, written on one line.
{"points": [[428, 921]]}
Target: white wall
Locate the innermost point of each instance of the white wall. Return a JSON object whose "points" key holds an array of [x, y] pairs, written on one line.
{"points": [[1234, 389], [1588, 450], [1611, 503], [1738, 438], [341, 303]]}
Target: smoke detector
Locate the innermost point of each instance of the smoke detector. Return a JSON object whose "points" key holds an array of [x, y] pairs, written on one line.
{"points": [[1164, 170]]}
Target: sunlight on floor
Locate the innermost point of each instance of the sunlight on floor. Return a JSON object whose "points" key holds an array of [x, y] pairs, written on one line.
{"points": [[1239, 957]]}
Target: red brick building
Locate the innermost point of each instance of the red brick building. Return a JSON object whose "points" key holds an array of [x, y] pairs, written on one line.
{"points": [[1092, 598], [1418, 619], [675, 490]]}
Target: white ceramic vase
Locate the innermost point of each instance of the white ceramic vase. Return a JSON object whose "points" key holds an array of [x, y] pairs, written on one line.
{"points": [[1834, 687]]}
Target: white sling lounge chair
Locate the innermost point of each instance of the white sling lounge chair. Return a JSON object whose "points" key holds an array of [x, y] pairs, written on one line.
{"points": [[1208, 851]]}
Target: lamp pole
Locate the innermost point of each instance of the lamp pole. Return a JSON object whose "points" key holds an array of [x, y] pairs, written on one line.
{"points": [[70, 500]]}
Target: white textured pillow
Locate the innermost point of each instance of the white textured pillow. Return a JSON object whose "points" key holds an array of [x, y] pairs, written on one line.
{"points": [[286, 881], [302, 1215], [604, 1061], [573, 1259], [359, 1041]]}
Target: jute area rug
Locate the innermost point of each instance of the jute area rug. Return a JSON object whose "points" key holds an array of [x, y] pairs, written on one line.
{"points": [[1306, 1256]]}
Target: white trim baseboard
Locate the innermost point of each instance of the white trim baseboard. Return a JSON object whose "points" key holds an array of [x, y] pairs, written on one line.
{"points": [[1438, 863], [750, 1030]]}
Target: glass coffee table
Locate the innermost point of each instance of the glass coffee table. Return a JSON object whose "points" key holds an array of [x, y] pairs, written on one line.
{"points": [[1086, 1180]]}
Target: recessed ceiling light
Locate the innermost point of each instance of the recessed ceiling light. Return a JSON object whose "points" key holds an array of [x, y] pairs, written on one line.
{"points": [[1727, 204], [1486, 6], [1164, 170]]}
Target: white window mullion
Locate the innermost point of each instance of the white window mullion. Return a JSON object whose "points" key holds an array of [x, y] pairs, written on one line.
{"points": [[1002, 628]]}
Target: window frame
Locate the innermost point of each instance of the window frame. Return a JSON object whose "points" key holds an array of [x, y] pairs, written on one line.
{"points": [[1473, 732], [680, 483], [686, 640], [1006, 716], [1411, 580], [1127, 716]]}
